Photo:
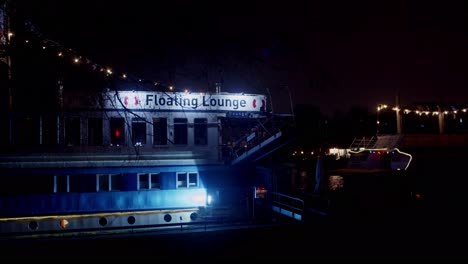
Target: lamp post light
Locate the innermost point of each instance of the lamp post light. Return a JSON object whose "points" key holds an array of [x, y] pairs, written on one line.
{"points": [[380, 107]]}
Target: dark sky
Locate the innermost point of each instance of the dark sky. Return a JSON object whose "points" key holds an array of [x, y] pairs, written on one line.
{"points": [[332, 54]]}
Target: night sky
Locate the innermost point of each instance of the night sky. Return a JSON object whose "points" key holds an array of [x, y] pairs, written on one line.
{"points": [[330, 54]]}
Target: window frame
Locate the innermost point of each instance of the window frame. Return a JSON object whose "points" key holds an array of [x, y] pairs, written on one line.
{"points": [[111, 178], [138, 123], [200, 131], [150, 183], [186, 183]]}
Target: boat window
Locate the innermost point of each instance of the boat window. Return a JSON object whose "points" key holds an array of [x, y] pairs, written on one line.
{"points": [[117, 131], [138, 131], [200, 131], [72, 131], [159, 131], [148, 181], [61, 183], [108, 182], [187, 180], [94, 131], [180, 131]]}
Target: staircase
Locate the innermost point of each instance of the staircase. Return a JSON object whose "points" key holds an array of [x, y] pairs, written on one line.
{"points": [[267, 137]]}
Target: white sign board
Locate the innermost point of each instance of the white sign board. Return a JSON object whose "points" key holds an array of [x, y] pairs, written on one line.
{"points": [[185, 101]]}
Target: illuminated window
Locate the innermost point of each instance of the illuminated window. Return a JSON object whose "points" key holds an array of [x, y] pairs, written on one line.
{"points": [[159, 131], [117, 129], [180, 131], [147, 181], [201, 131], [138, 131], [72, 131], [95, 131], [187, 179]]}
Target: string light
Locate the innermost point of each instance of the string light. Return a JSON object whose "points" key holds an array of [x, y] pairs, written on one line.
{"points": [[76, 58], [454, 111]]}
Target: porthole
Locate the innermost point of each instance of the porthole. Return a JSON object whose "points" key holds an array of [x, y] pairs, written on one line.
{"points": [[131, 219], [167, 218], [193, 216], [103, 221], [33, 225]]}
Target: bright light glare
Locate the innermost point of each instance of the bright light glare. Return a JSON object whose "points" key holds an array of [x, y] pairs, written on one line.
{"points": [[199, 198]]}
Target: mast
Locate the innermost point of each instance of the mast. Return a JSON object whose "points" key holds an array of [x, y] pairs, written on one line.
{"points": [[398, 114]]}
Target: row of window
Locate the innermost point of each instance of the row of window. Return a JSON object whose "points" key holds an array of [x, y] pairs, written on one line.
{"points": [[42, 184], [46, 131], [139, 133]]}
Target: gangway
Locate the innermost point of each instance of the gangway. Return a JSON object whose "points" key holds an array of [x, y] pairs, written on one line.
{"points": [[268, 136], [260, 150]]}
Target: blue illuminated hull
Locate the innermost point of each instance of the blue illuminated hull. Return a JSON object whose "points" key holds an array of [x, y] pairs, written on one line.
{"points": [[102, 202]]}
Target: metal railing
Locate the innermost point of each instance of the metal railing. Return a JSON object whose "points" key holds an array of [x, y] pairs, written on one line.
{"points": [[261, 132], [287, 205], [363, 143]]}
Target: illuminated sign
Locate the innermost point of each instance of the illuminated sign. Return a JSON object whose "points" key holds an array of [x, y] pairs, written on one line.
{"points": [[260, 192], [185, 101]]}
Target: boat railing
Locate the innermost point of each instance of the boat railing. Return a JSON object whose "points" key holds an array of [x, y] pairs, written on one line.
{"points": [[364, 142], [287, 205]]}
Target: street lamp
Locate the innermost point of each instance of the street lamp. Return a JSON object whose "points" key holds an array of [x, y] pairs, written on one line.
{"points": [[380, 107]]}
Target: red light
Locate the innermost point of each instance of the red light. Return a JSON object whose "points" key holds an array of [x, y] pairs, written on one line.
{"points": [[117, 133], [63, 223], [417, 195]]}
